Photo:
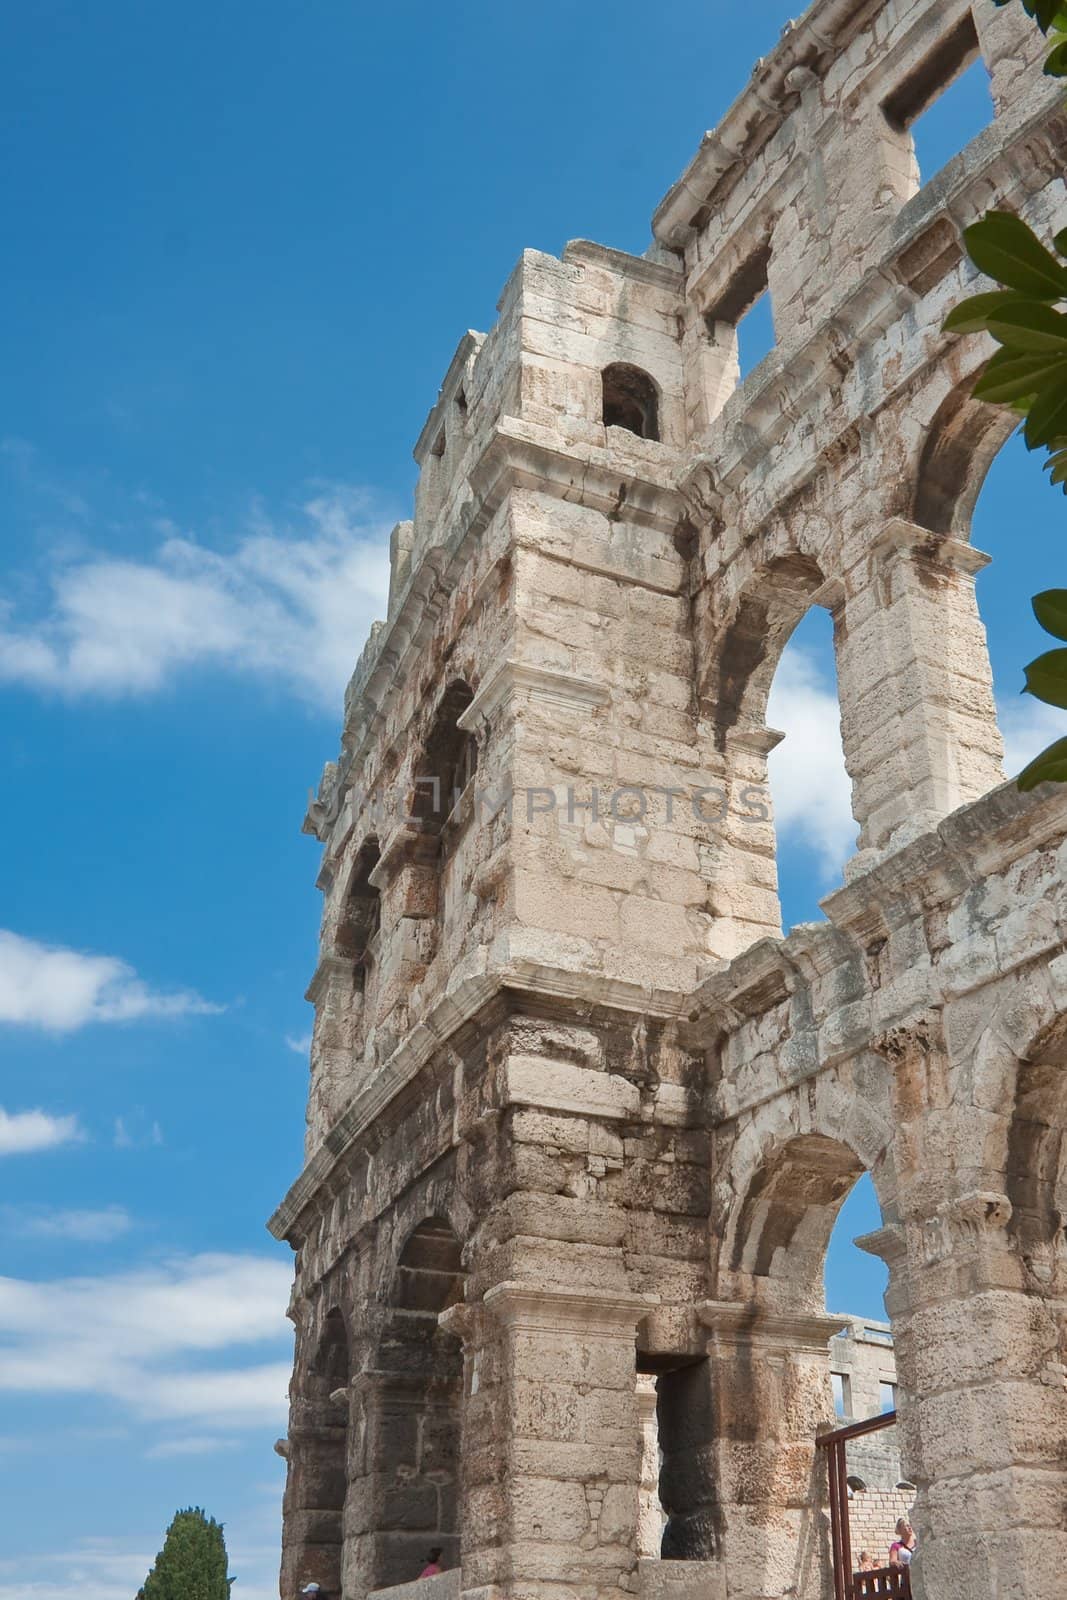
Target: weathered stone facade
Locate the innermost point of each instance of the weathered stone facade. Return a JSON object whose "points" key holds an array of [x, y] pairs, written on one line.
{"points": [[577, 1112]]}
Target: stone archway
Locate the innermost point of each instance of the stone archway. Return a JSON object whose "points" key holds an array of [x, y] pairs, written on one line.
{"points": [[413, 1406], [318, 1453], [768, 1350]]}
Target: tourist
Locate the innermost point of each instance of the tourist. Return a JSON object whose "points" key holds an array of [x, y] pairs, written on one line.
{"points": [[903, 1547], [866, 1562], [433, 1564]]}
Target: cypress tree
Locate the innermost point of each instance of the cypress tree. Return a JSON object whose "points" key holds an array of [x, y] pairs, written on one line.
{"points": [[192, 1563]]}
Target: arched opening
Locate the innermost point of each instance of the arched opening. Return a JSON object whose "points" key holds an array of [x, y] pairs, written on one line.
{"points": [[864, 1375], [449, 760], [775, 1354], [630, 400], [362, 913], [1036, 1166], [319, 1464], [815, 831], [415, 1411], [772, 1359], [1018, 520], [769, 680]]}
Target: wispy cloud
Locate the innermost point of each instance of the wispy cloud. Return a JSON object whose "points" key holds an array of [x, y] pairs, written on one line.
{"points": [[1028, 725], [811, 790], [59, 990], [22, 1132], [299, 1044], [292, 601], [201, 1339], [114, 1569], [203, 1444], [87, 1227]]}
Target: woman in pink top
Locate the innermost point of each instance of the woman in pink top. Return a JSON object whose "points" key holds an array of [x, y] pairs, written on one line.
{"points": [[433, 1565]]}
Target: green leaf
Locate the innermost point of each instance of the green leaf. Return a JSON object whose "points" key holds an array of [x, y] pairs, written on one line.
{"points": [[1060, 241], [1002, 246], [1009, 377], [1050, 609], [1049, 767], [1056, 61], [1047, 418], [1023, 325], [972, 315], [1046, 678]]}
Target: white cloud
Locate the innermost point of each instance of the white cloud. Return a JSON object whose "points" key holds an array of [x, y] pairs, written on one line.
{"points": [[1028, 725], [810, 788], [50, 987], [87, 1227], [292, 604], [114, 1569], [22, 1132], [167, 1341], [299, 1044]]}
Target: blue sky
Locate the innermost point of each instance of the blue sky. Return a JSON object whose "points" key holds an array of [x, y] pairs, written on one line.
{"points": [[247, 241]]}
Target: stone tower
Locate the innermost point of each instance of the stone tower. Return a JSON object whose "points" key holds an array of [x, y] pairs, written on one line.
{"points": [[580, 1120]]}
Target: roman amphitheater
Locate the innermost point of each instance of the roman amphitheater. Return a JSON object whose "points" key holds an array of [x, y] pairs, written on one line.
{"points": [[580, 1119]]}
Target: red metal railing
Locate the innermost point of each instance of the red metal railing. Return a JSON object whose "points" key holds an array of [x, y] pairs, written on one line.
{"points": [[881, 1581], [849, 1585]]}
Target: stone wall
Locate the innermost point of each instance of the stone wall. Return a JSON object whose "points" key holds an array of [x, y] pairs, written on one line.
{"points": [[578, 1116]]}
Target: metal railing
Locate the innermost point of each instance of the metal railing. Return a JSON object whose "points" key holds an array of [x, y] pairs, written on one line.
{"points": [[849, 1585]]}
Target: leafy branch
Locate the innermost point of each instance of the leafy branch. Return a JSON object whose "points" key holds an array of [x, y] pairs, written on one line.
{"points": [[1029, 374], [1051, 18]]}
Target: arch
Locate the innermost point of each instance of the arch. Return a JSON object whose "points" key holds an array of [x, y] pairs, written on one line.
{"points": [[959, 445], [415, 1407], [783, 1225], [448, 761], [361, 914], [1036, 1165], [752, 639], [319, 1468], [630, 400]]}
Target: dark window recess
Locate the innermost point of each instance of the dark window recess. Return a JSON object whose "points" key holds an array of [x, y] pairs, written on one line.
{"points": [[448, 761], [363, 910], [631, 400]]}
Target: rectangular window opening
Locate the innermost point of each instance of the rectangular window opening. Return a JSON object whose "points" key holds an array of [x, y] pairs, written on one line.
{"points": [[842, 1387], [746, 306], [887, 1396], [945, 102]]}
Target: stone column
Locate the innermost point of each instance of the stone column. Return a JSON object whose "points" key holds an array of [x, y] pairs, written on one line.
{"points": [[551, 1441], [983, 1403], [649, 1509], [918, 720], [769, 1389]]}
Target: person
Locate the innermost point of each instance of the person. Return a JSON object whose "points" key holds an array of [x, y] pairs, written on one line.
{"points": [[866, 1563], [316, 1590], [433, 1564], [903, 1547]]}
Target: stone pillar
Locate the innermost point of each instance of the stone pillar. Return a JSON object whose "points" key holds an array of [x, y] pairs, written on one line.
{"points": [[918, 720], [551, 1441], [983, 1403], [315, 1451], [649, 1509], [769, 1389]]}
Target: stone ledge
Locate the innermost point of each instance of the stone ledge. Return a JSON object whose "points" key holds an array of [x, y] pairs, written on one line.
{"points": [[680, 1580], [445, 1586]]}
